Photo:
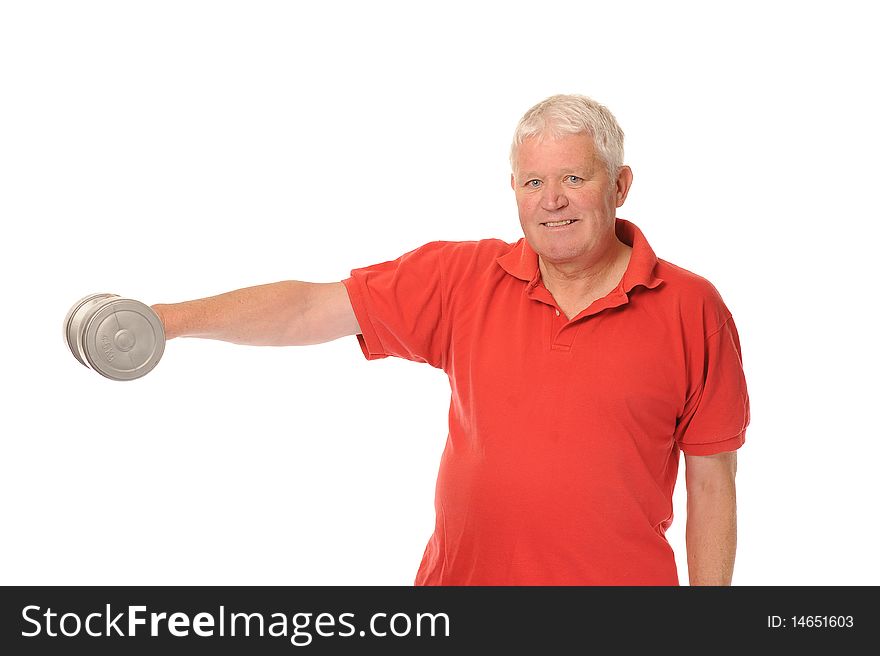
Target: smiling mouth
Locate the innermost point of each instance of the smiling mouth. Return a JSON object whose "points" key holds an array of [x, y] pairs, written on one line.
{"points": [[559, 224]]}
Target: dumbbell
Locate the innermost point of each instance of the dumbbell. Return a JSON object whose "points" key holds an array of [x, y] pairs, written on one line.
{"points": [[120, 338]]}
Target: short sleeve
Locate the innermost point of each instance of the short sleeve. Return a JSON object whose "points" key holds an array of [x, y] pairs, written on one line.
{"points": [[717, 413], [399, 306]]}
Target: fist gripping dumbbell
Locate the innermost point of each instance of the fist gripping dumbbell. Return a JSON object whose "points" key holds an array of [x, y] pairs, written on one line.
{"points": [[120, 338]]}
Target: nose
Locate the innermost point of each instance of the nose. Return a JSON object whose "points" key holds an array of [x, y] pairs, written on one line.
{"points": [[553, 197]]}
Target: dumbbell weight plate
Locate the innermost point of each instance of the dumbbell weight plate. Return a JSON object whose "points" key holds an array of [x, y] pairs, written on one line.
{"points": [[123, 339], [74, 319]]}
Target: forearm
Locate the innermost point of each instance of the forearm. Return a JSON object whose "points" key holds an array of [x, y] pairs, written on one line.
{"points": [[711, 535], [278, 314]]}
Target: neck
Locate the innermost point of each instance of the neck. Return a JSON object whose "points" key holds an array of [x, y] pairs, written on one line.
{"points": [[590, 280]]}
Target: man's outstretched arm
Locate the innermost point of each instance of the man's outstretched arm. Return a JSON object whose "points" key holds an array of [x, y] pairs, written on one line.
{"points": [[711, 518], [289, 313]]}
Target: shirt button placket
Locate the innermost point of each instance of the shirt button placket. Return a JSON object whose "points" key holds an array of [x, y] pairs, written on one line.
{"points": [[562, 335]]}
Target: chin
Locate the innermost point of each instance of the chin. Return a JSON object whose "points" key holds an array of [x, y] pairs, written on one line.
{"points": [[558, 253]]}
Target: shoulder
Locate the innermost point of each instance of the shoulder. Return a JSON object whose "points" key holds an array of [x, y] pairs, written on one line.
{"points": [[466, 250], [442, 257], [684, 281], [460, 258], [482, 248], [692, 295]]}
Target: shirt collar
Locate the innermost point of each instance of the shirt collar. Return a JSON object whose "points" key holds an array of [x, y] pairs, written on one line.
{"points": [[522, 262]]}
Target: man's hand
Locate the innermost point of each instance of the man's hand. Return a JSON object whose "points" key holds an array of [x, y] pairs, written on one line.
{"points": [[711, 518]]}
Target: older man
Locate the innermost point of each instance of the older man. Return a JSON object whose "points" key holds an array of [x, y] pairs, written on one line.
{"points": [[580, 366]]}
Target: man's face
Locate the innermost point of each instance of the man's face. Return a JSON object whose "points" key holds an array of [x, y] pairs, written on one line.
{"points": [[564, 180]]}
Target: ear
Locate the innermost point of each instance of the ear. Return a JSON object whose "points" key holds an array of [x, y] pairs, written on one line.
{"points": [[512, 182], [624, 182]]}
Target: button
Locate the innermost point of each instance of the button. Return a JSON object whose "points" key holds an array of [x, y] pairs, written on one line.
{"points": [[557, 312]]}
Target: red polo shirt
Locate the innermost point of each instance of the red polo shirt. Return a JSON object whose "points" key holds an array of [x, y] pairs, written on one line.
{"points": [[564, 435]]}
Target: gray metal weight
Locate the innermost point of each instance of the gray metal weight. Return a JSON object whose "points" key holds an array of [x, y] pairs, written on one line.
{"points": [[120, 338]]}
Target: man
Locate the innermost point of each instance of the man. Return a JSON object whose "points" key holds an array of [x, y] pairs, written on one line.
{"points": [[580, 365]]}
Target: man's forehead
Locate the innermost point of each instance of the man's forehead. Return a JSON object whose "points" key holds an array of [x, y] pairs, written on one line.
{"points": [[567, 151]]}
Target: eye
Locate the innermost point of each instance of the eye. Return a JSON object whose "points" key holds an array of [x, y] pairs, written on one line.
{"points": [[573, 179], [534, 184]]}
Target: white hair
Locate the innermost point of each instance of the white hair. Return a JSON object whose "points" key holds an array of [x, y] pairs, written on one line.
{"points": [[573, 114]]}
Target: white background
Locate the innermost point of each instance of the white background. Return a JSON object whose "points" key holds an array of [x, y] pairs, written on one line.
{"points": [[173, 150]]}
